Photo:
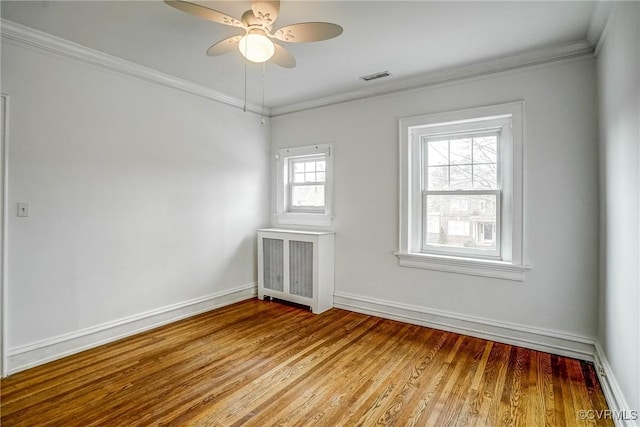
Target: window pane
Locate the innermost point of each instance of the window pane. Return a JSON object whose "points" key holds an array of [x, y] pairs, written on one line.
{"points": [[456, 227], [433, 224], [485, 149], [486, 231], [485, 177], [438, 178], [298, 167], [438, 153], [460, 151], [306, 196], [459, 204], [309, 171], [462, 221], [460, 178]]}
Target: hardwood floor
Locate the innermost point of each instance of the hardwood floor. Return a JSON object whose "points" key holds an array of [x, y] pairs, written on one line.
{"points": [[261, 363]]}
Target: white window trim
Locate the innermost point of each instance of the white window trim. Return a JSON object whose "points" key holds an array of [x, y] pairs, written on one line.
{"points": [[512, 266], [281, 216]]}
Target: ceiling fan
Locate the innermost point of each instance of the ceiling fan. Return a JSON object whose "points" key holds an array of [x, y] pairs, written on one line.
{"points": [[256, 44]]}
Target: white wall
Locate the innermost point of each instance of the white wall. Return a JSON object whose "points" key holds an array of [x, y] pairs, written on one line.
{"points": [[142, 196], [560, 196], [619, 95]]}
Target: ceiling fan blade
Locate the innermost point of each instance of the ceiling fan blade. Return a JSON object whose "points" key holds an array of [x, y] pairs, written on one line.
{"points": [[266, 11], [282, 57], [308, 32], [204, 12], [224, 46]]}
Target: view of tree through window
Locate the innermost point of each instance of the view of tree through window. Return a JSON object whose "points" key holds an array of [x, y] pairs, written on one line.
{"points": [[462, 164], [461, 194]]}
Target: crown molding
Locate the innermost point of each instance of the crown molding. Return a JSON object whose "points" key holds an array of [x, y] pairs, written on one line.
{"points": [[31, 37], [513, 62], [56, 45], [599, 24]]}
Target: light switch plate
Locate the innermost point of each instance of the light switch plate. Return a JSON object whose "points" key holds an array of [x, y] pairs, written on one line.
{"points": [[23, 209]]}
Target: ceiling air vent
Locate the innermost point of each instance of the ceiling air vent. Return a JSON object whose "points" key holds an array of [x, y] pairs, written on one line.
{"points": [[375, 76]]}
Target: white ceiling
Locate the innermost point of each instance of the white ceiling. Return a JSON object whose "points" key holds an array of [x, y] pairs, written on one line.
{"points": [[406, 38]]}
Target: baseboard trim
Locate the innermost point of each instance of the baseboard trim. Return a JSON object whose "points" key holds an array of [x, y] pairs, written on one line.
{"points": [[618, 405], [555, 342], [550, 341], [38, 353]]}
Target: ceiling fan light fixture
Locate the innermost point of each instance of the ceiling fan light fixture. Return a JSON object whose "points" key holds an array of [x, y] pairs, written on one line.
{"points": [[256, 47]]}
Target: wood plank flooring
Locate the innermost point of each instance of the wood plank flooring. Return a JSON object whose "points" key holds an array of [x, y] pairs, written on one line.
{"points": [[262, 364]]}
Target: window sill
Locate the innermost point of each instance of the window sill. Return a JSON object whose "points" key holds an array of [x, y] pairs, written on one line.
{"points": [[473, 267], [317, 220]]}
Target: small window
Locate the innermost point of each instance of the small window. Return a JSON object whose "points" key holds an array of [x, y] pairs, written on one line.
{"points": [[304, 186], [307, 177]]}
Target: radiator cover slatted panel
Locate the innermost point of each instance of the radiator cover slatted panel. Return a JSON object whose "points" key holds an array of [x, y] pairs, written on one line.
{"points": [[301, 268], [273, 250]]}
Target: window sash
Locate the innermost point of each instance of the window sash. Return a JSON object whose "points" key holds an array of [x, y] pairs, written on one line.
{"points": [[425, 139], [306, 208], [430, 248], [303, 160], [291, 161]]}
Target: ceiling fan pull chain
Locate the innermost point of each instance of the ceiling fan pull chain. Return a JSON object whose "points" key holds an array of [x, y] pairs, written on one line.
{"points": [[244, 108], [264, 70]]}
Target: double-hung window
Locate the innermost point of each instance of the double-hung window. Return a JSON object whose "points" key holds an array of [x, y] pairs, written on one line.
{"points": [[304, 186], [306, 183], [461, 191]]}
